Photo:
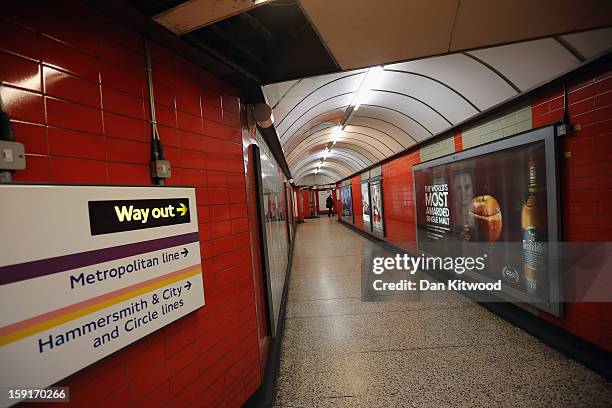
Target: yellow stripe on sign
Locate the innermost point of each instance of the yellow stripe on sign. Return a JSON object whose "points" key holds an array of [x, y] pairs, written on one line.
{"points": [[49, 324]]}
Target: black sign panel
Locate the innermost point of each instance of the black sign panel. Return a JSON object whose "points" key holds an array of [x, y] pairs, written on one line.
{"points": [[107, 217]]}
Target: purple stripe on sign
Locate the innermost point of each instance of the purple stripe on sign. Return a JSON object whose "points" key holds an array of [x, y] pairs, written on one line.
{"points": [[49, 266]]}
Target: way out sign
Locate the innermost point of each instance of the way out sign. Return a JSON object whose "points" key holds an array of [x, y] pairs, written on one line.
{"points": [[110, 216], [87, 270]]}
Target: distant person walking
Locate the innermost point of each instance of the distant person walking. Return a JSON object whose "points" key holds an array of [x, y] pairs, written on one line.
{"points": [[329, 203]]}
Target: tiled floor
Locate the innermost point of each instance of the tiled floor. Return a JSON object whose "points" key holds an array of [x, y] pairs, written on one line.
{"points": [[340, 352]]}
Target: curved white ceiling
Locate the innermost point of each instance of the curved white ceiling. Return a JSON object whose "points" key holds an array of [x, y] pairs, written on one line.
{"points": [[412, 101]]}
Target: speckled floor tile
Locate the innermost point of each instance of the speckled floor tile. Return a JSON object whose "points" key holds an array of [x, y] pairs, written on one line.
{"points": [[354, 305], [442, 350]]}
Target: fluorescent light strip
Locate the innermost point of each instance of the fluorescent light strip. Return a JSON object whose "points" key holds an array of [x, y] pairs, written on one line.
{"points": [[370, 79]]}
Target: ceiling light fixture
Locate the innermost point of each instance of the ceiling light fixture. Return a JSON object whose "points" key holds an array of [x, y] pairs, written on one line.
{"points": [[370, 79], [336, 134]]}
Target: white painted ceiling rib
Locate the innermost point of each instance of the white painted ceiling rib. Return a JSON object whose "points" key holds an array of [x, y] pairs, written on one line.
{"points": [[411, 101]]}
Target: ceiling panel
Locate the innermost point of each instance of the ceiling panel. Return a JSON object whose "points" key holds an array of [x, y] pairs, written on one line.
{"points": [[428, 116], [481, 23], [475, 82], [318, 92], [407, 123], [286, 129], [530, 63], [591, 43], [449, 103], [403, 138], [408, 29], [274, 95]]}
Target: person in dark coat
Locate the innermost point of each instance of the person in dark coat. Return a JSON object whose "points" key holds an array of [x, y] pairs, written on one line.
{"points": [[329, 203]]}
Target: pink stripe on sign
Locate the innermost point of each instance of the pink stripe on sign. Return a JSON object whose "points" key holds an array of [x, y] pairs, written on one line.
{"points": [[67, 309]]}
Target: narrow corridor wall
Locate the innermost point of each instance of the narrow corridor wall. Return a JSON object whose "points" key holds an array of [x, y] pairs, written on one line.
{"points": [[585, 172], [74, 85], [586, 182]]}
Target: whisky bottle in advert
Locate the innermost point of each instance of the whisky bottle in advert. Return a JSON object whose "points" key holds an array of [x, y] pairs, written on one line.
{"points": [[534, 232]]}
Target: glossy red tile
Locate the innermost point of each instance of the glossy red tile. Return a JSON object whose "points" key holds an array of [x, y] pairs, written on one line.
{"points": [[165, 116], [194, 177], [192, 141], [231, 103], [69, 115], [211, 97], [123, 103], [23, 105], [225, 164], [128, 151], [69, 143], [19, 40], [213, 113], [189, 122], [193, 160], [168, 135], [163, 95], [125, 127], [62, 85], [114, 77], [78, 34], [68, 170], [20, 72], [231, 119], [188, 104], [124, 173], [162, 75], [120, 34], [36, 171], [69, 59], [33, 137], [214, 129], [122, 57]]}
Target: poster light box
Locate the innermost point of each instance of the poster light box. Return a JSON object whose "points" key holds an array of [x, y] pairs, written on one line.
{"points": [[500, 201]]}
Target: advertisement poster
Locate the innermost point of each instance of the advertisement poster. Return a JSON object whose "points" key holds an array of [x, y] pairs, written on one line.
{"points": [[91, 271], [493, 204], [322, 196], [347, 204], [377, 207], [365, 204], [276, 231]]}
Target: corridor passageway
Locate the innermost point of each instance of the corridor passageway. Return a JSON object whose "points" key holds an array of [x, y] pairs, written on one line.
{"points": [[201, 203], [339, 351]]}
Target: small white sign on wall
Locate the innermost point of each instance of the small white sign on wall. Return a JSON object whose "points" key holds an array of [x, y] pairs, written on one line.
{"points": [[87, 270]]}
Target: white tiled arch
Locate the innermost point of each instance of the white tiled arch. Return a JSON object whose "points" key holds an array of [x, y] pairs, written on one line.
{"points": [[413, 100]]}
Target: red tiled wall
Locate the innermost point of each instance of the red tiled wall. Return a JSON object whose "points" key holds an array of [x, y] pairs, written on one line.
{"points": [[586, 183], [357, 209], [305, 202], [74, 85], [398, 201]]}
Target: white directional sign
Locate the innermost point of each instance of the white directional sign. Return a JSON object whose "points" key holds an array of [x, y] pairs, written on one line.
{"points": [[87, 270]]}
